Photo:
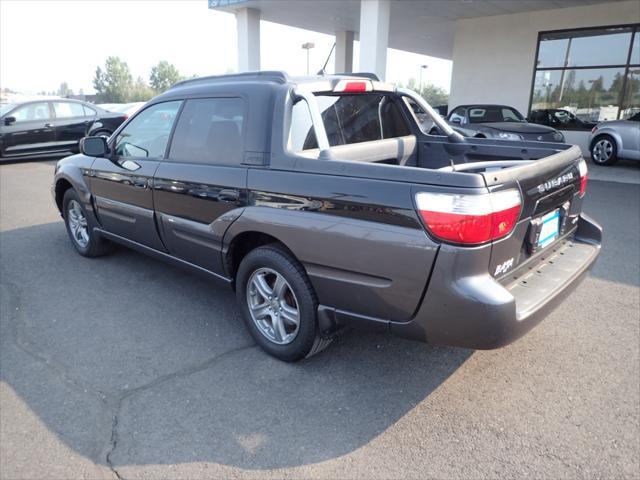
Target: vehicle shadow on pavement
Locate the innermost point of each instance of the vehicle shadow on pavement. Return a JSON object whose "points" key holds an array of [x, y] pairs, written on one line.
{"points": [[130, 361], [615, 207]]}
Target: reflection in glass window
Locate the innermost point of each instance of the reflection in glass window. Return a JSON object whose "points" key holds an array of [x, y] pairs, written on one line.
{"points": [[351, 119], [301, 127], [209, 131], [585, 48], [32, 111], [146, 135], [631, 100], [635, 53], [590, 94], [593, 74], [552, 52], [68, 109], [611, 49]]}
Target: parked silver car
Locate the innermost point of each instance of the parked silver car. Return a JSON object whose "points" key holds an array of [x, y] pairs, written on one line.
{"points": [[615, 139]]}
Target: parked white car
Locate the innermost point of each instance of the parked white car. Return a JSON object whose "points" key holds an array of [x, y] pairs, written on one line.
{"points": [[615, 139]]}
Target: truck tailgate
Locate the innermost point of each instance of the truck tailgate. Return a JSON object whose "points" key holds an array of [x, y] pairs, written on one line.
{"points": [[551, 204]]}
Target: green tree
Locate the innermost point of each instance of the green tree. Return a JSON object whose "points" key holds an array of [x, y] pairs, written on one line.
{"points": [[164, 75], [114, 83], [434, 96], [140, 91], [64, 90]]}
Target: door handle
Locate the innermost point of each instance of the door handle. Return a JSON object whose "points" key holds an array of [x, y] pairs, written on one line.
{"points": [[48, 125], [227, 195]]}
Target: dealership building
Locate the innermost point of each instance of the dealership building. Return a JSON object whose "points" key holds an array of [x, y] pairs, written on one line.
{"points": [[578, 55]]}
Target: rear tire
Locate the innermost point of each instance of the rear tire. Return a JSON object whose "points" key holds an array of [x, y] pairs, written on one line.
{"points": [[86, 242], [604, 150], [278, 304]]}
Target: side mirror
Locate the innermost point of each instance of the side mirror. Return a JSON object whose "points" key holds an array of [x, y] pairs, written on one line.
{"points": [[94, 146], [9, 120], [456, 120]]}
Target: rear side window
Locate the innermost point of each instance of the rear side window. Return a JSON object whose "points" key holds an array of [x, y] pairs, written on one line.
{"points": [[209, 130], [68, 109], [348, 119]]}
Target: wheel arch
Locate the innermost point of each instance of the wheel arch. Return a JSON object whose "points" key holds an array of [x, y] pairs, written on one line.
{"points": [[60, 188], [608, 133], [69, 174], [243, 242]]}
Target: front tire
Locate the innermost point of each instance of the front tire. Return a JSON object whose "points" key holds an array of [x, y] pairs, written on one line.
{"points": [[278, 304], [604, 150], [86, 242]]}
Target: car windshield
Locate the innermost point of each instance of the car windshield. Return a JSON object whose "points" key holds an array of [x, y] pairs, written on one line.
{"points": [[493, 114], [635, 118], [4, 108]]}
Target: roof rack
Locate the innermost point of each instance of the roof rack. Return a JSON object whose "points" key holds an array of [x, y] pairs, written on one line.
{"points": [[276, 76]]}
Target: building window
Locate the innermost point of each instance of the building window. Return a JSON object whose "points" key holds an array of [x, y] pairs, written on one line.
{"points": [[592, 73]]}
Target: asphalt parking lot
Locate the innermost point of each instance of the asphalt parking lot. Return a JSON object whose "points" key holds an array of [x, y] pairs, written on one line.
{"points": [[127, 367]]}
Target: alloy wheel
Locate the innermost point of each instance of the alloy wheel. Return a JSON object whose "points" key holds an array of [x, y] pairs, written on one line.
{"points": [[273, 306], [602, 150], [78, 224]]}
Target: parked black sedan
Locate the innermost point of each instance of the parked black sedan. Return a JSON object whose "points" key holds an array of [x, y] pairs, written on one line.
{"points": [[498, 121], [560, 118], [42, 128]]}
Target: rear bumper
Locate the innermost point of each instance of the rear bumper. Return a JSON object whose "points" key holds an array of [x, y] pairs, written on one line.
{"points": [[477, 311]]}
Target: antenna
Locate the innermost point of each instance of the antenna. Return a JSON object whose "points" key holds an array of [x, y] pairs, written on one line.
{"points": [[321, 71]]}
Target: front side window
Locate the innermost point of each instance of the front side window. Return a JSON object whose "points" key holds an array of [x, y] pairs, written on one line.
{"points": [[457, 116], [68, 109], [88, 111], [147, 134], [31, 112], [209, 131], [348, 119]]}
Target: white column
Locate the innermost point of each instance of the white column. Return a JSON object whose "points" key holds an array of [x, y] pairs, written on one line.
{"points": [[248, 20], [374, 36], [344, 52]]}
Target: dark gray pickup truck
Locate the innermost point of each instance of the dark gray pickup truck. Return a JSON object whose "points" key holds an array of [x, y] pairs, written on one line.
{"points": [[323, 204]]}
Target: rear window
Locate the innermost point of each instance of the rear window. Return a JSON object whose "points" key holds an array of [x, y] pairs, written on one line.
{"points": [[209, 131], [348, 119]]}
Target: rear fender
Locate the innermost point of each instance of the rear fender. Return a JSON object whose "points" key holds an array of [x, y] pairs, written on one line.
{"points": [[354, 265], [610, 132]]}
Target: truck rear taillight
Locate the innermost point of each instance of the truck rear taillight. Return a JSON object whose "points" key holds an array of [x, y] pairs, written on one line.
{"points": [[353, 86], [469, 219], [584, 175]]}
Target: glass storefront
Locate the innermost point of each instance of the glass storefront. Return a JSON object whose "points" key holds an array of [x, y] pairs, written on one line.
{"points": [[592, 74]]}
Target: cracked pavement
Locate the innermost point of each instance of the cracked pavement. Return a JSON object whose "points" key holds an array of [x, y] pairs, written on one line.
{"points": [[125, 367]]}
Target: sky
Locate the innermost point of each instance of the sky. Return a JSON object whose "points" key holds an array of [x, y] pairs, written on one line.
{"points": [[45, 43]]}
